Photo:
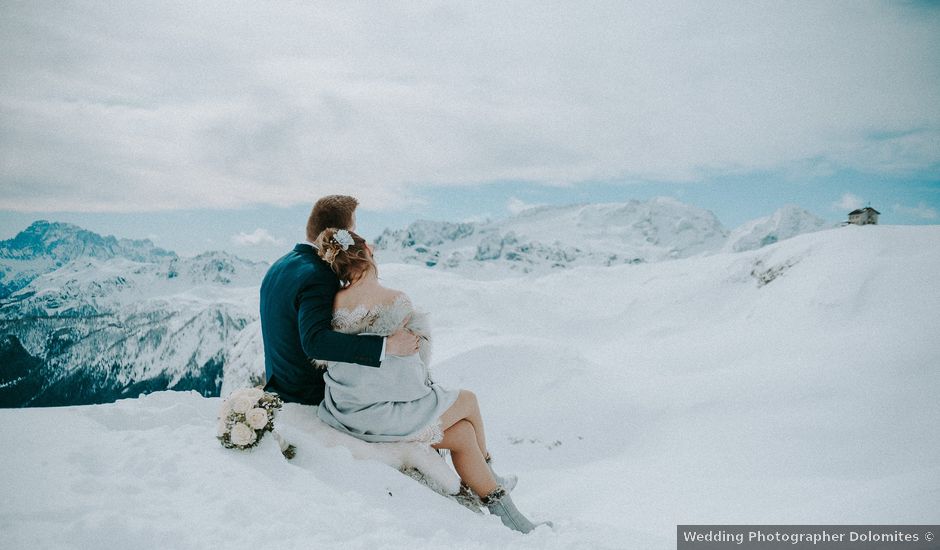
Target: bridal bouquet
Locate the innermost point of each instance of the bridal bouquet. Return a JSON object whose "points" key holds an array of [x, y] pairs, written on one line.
{"points": [[245, 416]]}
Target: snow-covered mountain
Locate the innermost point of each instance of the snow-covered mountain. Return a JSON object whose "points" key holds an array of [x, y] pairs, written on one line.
{"points": [[117, 318], [559, 237], [46, 246], [86, 318], [785, 223]]}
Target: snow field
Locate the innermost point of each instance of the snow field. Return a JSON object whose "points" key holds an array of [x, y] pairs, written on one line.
{"points": [[627, 399]]}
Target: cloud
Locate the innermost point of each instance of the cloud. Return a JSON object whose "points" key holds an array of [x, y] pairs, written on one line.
{"points": [[479, 218], [921, 211], [258, 237], [228, 104], [849, 202], [516, 205]]}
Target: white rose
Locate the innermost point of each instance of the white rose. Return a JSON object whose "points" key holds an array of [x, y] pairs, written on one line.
{"points": [[242, 434], [253, 393], [243, 404], [221, 428], [224, 410], [257, 418]]}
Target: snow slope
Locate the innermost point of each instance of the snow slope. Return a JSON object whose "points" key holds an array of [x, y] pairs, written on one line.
{"points": [[795, 383]]}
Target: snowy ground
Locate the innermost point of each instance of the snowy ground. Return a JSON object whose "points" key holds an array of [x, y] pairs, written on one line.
{"points": [[627, 399]]}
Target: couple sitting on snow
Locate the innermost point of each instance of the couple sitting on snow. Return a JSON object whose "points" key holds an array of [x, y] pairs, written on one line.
{"points": [[334, 337]]}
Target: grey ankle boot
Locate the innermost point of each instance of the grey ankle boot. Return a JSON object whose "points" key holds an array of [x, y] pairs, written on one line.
{"points": [[499, 503], [508, 482]]}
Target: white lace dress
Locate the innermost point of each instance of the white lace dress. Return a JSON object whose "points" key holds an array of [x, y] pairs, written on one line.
{"points": [[397, 401]]}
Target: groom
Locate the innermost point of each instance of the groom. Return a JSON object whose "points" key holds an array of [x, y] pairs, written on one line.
{"points": [[297, 311]]}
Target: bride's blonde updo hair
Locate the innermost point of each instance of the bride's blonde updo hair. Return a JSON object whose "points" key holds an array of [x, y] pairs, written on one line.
{"points": [[349, 264]]}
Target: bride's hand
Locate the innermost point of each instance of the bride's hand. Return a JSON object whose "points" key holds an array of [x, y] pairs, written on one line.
{"points": [[402, 341]]}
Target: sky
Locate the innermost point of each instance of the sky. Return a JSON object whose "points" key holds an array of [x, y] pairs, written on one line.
{"points": [[217, 125]]}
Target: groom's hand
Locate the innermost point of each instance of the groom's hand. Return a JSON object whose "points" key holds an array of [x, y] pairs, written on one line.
{"points": [[402, 341]]}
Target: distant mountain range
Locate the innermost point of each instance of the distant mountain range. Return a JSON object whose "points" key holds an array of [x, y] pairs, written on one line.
{"points": [[46, 246], [90, 319], [86, 318], [553, 237]]}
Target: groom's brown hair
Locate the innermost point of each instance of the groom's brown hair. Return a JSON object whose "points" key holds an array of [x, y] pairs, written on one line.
{"points": [[331, 211]]}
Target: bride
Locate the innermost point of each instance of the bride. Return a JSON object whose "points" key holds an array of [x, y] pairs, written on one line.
{"points": [[399, 401]]}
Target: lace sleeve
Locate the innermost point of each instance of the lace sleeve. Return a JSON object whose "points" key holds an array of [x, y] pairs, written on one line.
{"points": [[384, 319]]}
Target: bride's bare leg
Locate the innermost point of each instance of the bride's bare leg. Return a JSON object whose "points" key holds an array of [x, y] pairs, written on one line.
{"points": [[461, 439], [466, 408]]}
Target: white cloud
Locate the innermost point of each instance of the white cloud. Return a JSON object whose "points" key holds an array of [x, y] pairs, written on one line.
{"points": [[921, 211], [221, 105], [849, 201], [479, 218], [258, 237], [516, 205]]}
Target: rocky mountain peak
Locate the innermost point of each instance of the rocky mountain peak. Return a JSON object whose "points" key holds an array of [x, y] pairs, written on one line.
{"points": [[63, 242]]}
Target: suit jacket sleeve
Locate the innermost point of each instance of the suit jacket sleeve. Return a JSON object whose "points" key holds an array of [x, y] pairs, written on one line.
{"points": [[319, 340]]}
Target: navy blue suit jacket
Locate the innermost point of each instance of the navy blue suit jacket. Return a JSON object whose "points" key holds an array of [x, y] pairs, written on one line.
{"points": [[296, 325]]}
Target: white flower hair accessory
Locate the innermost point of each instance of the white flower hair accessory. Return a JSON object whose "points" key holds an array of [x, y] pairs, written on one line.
{"points": [[344, 239]]}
